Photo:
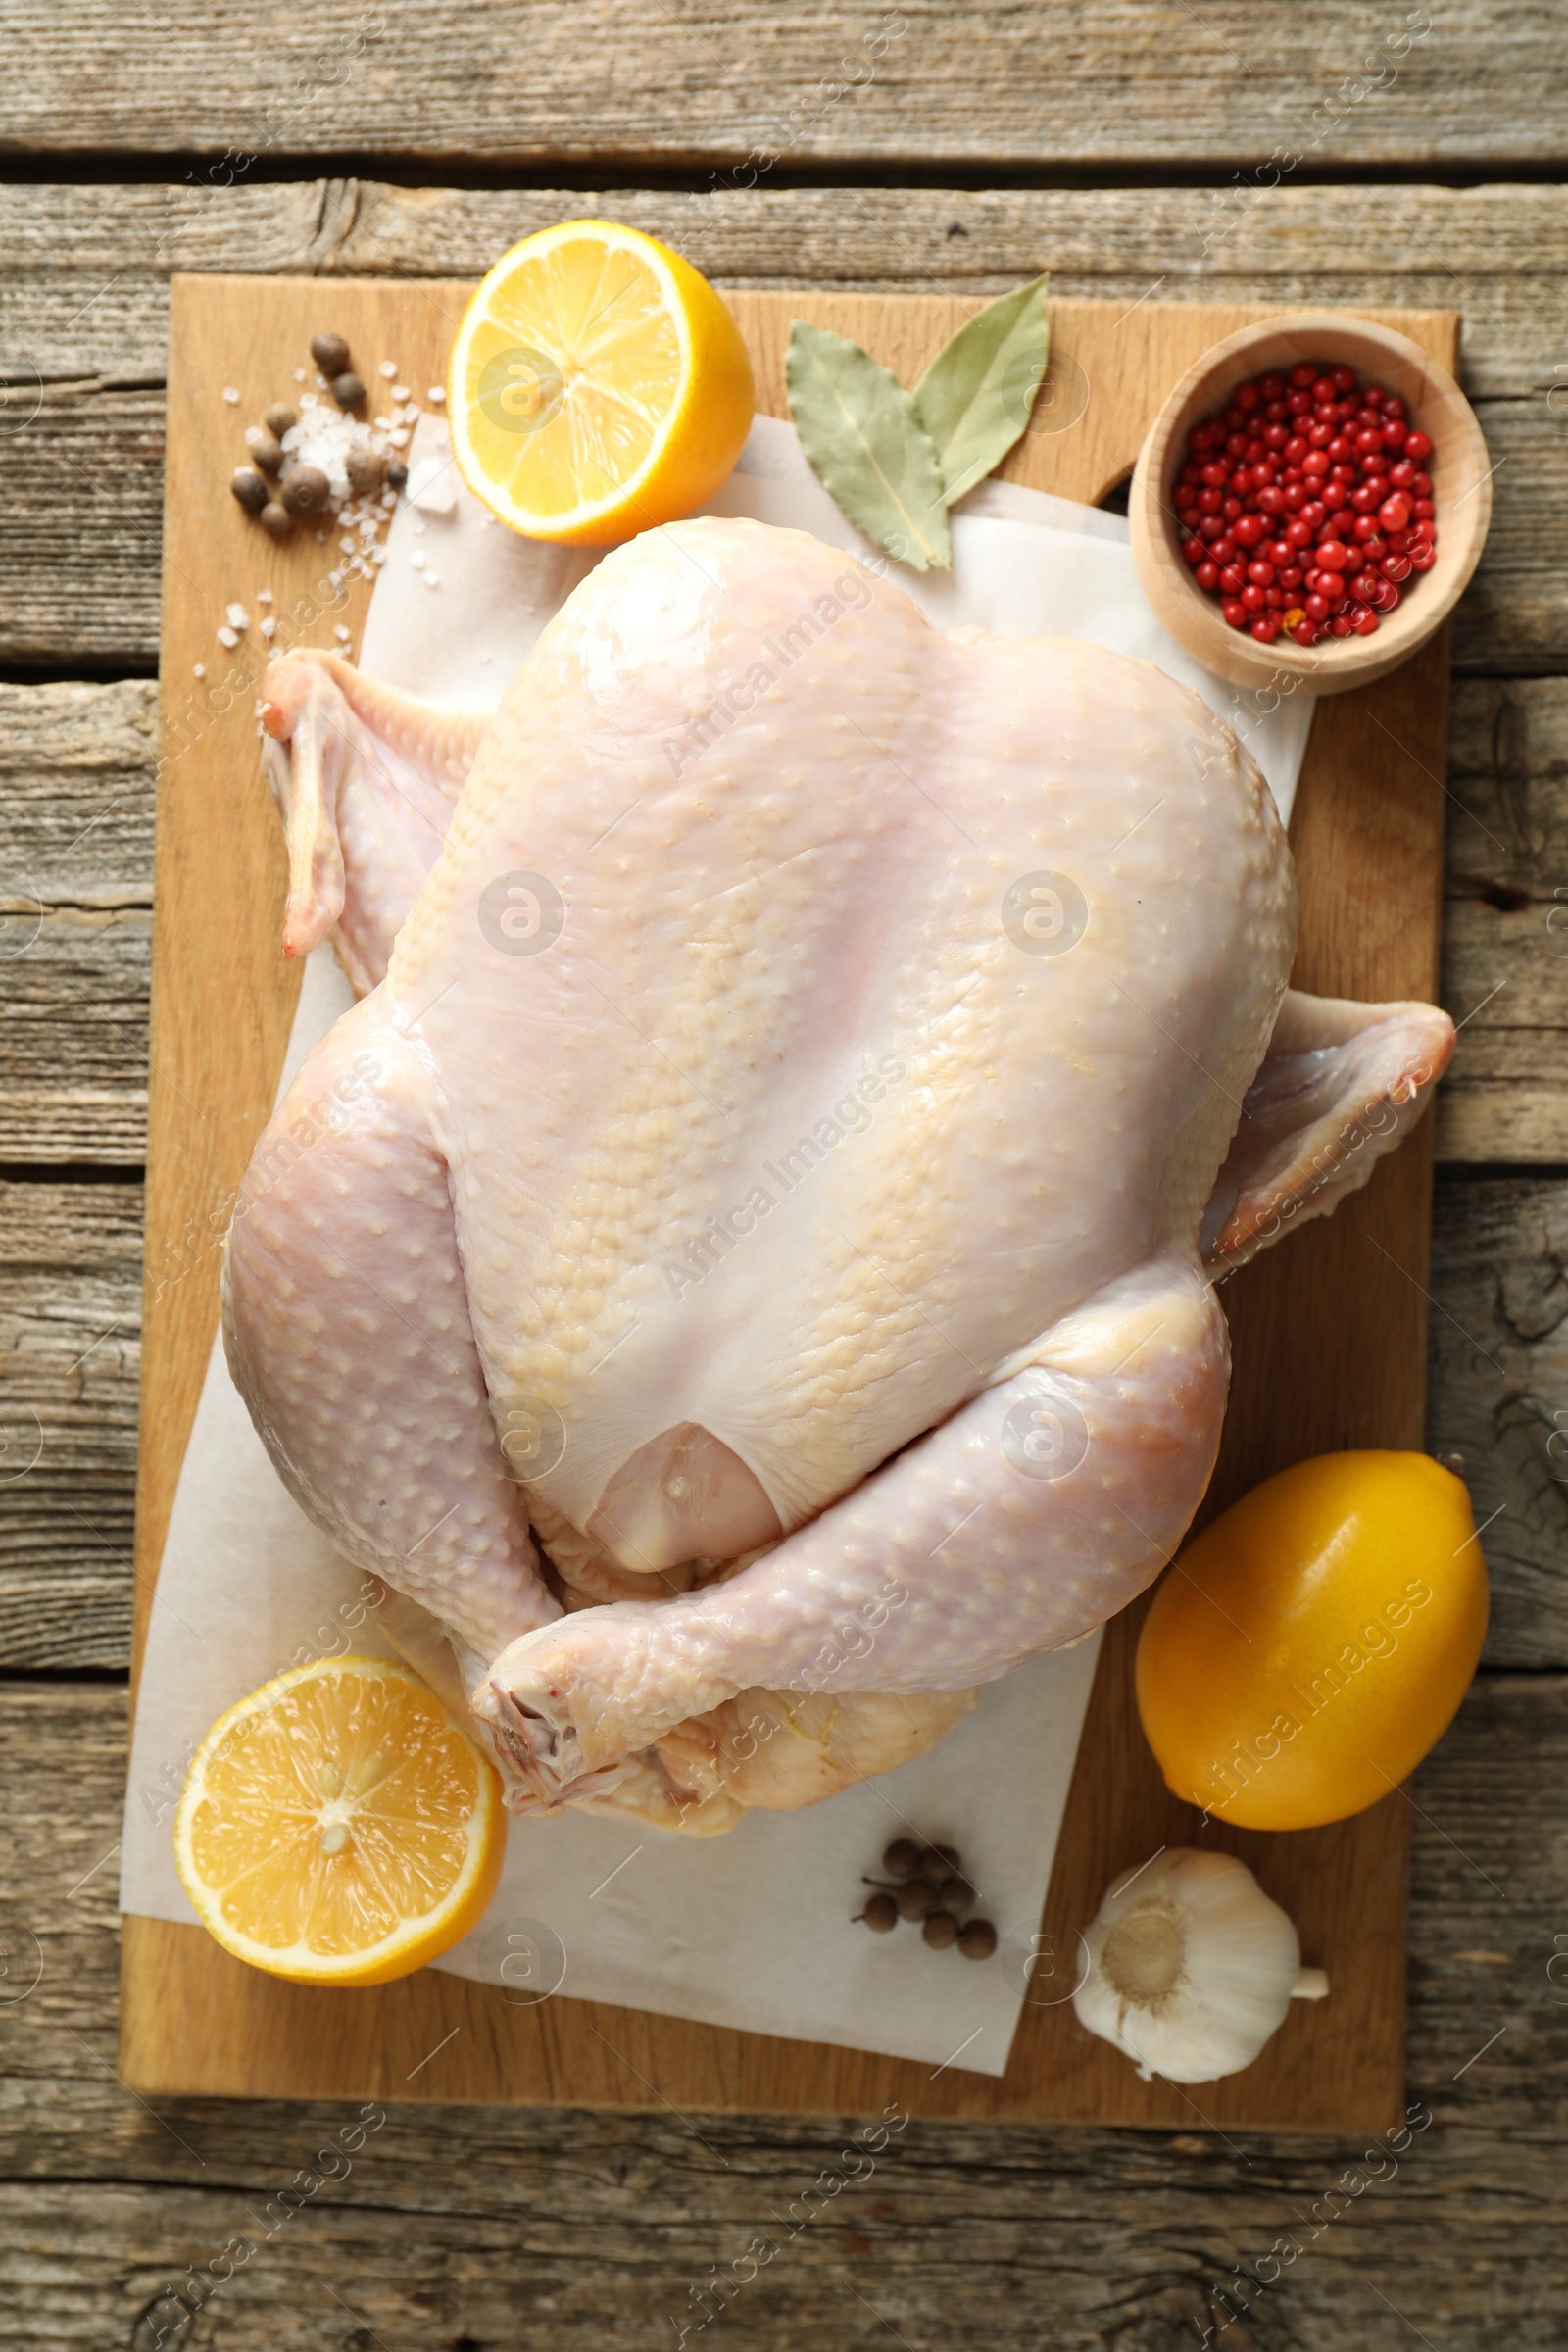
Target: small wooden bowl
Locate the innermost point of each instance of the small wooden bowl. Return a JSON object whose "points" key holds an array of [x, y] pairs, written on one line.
{"points": [[1461, 489]]}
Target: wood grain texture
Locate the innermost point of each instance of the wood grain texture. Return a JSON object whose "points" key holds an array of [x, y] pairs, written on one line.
{"points": [[638, 84], [570, 2231], [69, 1344], [1368, 843], [1500, 1392], [85, 271]]}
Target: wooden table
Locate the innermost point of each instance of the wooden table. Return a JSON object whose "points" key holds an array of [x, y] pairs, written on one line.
{"points": [[961, 148]]}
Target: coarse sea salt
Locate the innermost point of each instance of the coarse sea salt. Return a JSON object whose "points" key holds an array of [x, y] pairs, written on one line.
{"points": [[388, 368], [325, 438], [228, 637], [236, 616]]}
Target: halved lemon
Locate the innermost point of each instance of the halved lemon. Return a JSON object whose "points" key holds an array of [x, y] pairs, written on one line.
{"points": [[339, 1826], [597, 386]]}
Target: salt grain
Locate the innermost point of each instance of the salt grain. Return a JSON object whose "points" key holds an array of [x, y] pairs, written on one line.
{"points": [[264, 596], [340, 633], [236, 616], [228, 637], [417, 559], [299, 375], [198, 670], [401, 392], [231, 395], [388, 368], [269, 626], [436, 393]]}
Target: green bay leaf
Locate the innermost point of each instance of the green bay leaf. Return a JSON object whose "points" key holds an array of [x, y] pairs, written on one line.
{"points": [[975, 396], [861, 430]]}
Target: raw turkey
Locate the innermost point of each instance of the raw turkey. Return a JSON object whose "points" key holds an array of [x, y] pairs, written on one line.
{"points": [[743, 1274]]}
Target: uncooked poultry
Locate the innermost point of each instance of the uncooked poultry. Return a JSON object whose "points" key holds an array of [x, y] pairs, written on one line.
{"points": [[752, 1279]]}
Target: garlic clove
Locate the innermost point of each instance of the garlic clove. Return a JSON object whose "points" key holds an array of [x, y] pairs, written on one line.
{"points": [[1191, 1967]]}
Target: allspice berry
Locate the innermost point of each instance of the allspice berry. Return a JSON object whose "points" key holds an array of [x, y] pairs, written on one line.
{"points": [[277, 519], [881, 1914], [901, 1859], [330, 354], [941, 1931], [266, 449], [365, 468], [347, 390], [916, 1898], [249, 488], [280, 418], [977, 1939], [305, 490], [939, 1862], [957, 1897], [397, 473]]}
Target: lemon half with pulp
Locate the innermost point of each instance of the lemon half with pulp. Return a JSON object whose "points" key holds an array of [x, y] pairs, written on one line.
{"points": [[597, 386], [339, 1826]]}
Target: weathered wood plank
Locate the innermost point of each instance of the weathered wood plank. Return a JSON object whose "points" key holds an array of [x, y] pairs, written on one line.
{"points": [[69, 1345], [73, 1051], [932, 83], [76, 765], [83, 270], [564, 2229], [75, 800], [1505, 932], [84, 305], [1498, 1394]]}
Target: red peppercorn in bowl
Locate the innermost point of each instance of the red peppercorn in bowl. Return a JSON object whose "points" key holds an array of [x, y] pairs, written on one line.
{"points": [[1309, 501]]}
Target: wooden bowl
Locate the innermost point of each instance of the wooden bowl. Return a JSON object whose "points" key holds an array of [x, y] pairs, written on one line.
{"points": [[1461, 489]]}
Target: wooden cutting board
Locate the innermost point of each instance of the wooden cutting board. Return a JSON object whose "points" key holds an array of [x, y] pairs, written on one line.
{"points": [[1329, 1328]]}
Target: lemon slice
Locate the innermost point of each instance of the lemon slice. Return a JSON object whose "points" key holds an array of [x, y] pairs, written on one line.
{"points": [[597, 386], [338, 1826]]}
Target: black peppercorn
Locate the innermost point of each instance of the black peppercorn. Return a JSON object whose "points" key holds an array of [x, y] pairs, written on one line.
{"points": [[330, 354]]}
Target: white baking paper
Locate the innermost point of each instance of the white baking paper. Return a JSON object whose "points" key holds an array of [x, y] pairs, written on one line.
{"points": [[753, 1929]]}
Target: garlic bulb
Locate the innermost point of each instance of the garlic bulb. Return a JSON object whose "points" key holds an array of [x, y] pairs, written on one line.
{"points": [[1191, 1968]]}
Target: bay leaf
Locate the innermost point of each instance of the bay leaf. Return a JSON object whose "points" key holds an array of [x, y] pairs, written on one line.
{"points": [[859, 428], [975, 397]]}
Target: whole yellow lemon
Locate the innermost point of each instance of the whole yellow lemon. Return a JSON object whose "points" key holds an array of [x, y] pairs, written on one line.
{"points": [[1306, 1652]]}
